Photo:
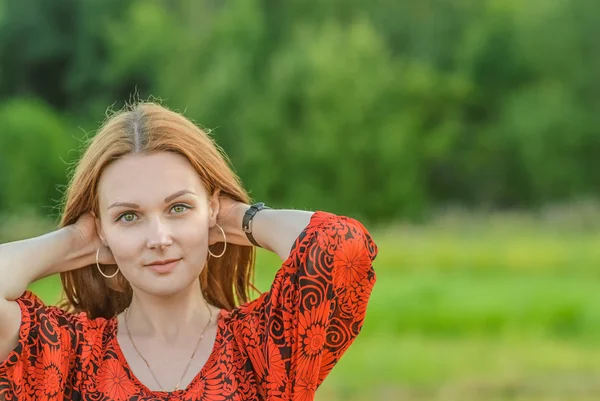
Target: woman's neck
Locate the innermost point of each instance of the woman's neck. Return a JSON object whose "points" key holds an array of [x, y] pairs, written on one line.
{"points": [[168, 319]]}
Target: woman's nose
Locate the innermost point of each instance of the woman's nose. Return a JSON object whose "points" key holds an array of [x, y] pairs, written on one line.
{"points": [[159, 235]]}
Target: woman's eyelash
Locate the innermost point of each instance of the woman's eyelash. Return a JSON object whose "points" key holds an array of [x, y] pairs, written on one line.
{"points": [[188, 207]]}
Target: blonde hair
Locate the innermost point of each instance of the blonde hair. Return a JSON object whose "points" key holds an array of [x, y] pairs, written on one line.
{"points": [[143, 128]]}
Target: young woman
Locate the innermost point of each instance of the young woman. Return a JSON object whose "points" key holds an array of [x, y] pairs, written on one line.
{"points": [[156, 252]]}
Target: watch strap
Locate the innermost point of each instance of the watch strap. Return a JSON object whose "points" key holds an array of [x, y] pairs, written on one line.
{"points": [[247, 220]]}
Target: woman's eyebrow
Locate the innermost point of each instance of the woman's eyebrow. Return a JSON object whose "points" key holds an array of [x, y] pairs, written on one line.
{"points": [[167, 200]]}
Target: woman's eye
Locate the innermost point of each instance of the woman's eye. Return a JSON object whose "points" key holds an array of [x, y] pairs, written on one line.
{"points": [[180, 208], [124, 217]]}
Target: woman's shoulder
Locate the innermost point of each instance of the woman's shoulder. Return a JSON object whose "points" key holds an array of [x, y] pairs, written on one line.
{"points": [[55, 333], [241, 316], [36, 311]]}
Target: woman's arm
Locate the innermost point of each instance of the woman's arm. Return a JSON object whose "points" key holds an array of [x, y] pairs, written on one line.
{"points": [[274, 230], [297, 331], [23, 262]]}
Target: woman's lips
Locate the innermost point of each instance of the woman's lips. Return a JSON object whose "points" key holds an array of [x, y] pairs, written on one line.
{"points": [[166, 268]]}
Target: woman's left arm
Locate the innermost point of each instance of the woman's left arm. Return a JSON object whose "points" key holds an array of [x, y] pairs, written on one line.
{"points": [[274, 230], [297, 331]]}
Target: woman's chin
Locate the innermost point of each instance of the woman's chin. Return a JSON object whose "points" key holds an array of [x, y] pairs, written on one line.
{"points": [[168, 285]]}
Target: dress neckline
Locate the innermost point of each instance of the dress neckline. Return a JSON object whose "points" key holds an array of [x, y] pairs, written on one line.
{"points": [[212, 358]]}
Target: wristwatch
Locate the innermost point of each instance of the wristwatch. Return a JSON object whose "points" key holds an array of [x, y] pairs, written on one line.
{"points": [[248, 217]]}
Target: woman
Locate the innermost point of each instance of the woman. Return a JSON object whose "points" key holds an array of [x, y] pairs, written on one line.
{"points": [[156, 255]]}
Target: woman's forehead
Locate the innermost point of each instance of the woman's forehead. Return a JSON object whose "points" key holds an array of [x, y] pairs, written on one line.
{"points": [[148, 179]]}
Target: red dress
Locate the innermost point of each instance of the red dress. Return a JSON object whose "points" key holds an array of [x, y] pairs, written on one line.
{"points": [[278, 347]]}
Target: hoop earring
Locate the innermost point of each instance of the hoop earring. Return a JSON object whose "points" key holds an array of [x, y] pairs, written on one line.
{"points": [[98, 266], [224, 247]]}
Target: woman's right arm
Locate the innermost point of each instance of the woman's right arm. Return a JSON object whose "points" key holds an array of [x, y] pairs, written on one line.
{"points": [[26, 261]]}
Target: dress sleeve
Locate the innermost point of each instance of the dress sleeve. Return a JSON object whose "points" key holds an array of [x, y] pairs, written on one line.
{"points": [[39, 367], [295, 333]]}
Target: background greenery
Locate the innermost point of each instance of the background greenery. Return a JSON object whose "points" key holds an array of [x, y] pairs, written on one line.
{"points": [[455, 130]]}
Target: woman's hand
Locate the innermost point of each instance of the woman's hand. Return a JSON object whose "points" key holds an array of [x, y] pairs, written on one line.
{"points": [[231, 214], [86, 238]]}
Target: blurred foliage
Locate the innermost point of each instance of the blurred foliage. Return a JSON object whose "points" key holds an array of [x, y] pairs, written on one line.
{"points": [[380, 109], [383, 110]]}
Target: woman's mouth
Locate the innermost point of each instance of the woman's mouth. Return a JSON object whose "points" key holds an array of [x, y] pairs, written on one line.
{"points": [[164, 267]]}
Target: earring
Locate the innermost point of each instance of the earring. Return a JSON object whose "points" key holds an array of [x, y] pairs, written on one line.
{"points": [[224, 247], [98, 265]]}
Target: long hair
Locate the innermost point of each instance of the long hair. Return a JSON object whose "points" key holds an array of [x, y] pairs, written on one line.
{"points": [[144, 128]]}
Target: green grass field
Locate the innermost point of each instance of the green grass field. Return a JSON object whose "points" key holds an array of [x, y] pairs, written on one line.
{"points": [[505, 307]]}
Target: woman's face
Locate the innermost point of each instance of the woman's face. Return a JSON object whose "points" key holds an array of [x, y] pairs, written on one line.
{"points": [[155, 208]]}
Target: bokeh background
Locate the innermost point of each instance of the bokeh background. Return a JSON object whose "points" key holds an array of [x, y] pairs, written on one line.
{"points": [[464, 134]]}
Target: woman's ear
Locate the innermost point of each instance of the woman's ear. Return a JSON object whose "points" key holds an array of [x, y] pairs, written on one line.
{"points": [[99, 230], [214, 207]]}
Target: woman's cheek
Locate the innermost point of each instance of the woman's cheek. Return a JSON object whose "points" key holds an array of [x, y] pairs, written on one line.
{"points": [[193, 230], [124, 246]]}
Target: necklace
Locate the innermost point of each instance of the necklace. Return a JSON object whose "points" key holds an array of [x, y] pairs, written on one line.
{"points": [[189, 362]]}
